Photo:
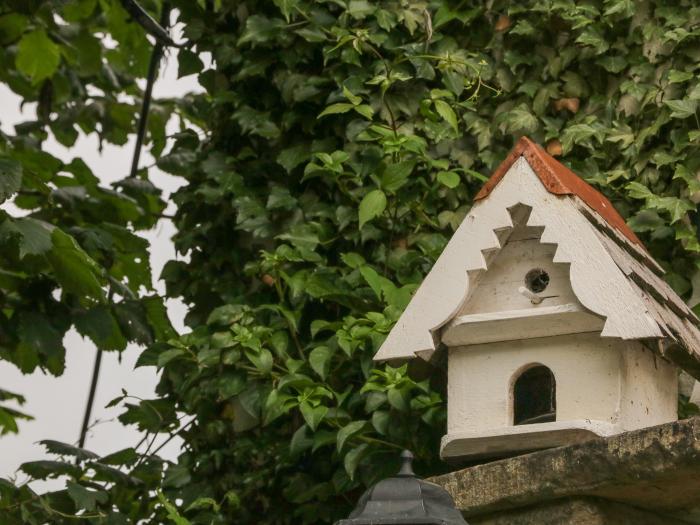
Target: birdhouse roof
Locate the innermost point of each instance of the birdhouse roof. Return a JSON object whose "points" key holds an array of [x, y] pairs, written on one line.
{"points": [[559, 180], [611, 273]]}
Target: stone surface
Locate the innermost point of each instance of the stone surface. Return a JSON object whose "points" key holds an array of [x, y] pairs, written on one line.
{"points": [[655, 469], [579, 511]]}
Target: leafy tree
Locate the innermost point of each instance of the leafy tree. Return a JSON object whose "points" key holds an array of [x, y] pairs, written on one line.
{"points": [[344, 143], [70, 255]]}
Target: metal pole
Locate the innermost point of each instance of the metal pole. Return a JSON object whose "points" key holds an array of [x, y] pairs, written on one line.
{"points": [[143, 120]]}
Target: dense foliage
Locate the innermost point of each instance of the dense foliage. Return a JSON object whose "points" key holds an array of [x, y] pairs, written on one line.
{"points": [[70, 256], [345, 142]]}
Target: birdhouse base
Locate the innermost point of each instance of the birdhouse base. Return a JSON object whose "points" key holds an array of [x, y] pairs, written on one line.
{"points": [[523, 438]]}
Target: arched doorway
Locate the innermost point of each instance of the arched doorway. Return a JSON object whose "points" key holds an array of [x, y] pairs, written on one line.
{"points": [[535, 396]]}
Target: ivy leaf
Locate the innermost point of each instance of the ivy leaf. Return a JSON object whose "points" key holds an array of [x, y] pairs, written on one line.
{"points": [[373, 205], [521, 119], [447, 113], [448, 178], [38, 56], [10, 177], [260, 29], [683, 108]]}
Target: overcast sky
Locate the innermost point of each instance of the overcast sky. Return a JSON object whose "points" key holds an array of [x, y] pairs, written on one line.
{"points": [[57, 404]]}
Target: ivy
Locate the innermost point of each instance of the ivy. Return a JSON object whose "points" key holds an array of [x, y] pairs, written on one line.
{"points": [[344, 142]]}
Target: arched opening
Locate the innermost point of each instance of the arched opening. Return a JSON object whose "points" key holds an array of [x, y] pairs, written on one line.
{"points": [[535, 396]]}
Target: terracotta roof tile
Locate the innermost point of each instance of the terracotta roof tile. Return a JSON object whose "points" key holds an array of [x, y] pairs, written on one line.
{"points": [[559, 180]]}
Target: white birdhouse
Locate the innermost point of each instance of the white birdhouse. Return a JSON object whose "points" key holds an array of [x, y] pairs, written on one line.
{"points": [[557, 322]]}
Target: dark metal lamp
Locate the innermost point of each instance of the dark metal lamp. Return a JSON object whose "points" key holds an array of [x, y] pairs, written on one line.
{"points": [[405, 500]]}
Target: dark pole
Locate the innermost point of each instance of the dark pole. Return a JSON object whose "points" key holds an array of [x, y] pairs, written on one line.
{"points": [[146, 105], [143, 120], [91, 398]]}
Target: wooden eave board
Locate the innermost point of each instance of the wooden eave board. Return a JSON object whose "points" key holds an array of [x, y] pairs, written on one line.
{"points": [[513, 325]]}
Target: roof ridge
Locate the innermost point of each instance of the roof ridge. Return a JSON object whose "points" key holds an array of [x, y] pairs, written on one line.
{"points": [[559, 180]]}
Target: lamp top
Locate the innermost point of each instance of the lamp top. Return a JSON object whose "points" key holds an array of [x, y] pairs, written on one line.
{"points": [[404, 500]]}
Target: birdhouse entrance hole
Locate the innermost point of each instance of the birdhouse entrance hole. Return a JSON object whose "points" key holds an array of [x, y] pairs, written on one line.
{"points": [[537, 280], [534, 396]]}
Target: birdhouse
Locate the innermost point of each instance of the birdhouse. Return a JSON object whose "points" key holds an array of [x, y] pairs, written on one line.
{"points": [[557, 322]]}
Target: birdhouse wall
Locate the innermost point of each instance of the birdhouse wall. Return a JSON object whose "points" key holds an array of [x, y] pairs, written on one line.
{"points": [[613, 384], [649, 387]]}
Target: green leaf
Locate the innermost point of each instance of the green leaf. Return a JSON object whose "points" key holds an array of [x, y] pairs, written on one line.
{"points": [[320, 360], [10, 177], [65, 449], [682, 108], [189, 63], [100, 325], [448, 178], [373, 205], [360, 9], [338, 107], [127, 456], [396, 175], [381, 419], [173, 514], [365, 110], [377, 282], [46, 469], [675, 76], [85, 498], [447, 113], [34, 235], [352, 459], [354, 99], [347, 432], [312, 415], [74, 269], [521, 119], [40, 338], [37, 56], [262, 359], [203, 503], [260, 29]]}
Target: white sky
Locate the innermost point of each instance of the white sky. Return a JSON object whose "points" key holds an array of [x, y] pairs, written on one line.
{"points": [[58, 404]]}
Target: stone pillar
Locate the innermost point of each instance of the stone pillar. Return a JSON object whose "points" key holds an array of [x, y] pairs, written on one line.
{"points": [[649, 476]]}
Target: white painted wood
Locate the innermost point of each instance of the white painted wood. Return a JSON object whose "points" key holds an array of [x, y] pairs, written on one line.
{"points": [[494, 442], [510, 325], [598, 283], [499, 287], [620, 384]]}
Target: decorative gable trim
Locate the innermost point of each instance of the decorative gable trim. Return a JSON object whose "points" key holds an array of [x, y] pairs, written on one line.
{"points": [[597, 281], [559, 180]]}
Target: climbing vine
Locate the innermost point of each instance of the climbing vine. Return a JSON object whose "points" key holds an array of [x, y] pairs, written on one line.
{"points": [[344, 142]]}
